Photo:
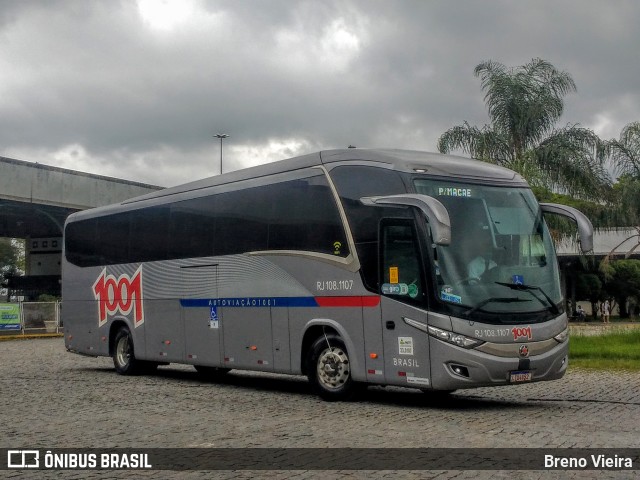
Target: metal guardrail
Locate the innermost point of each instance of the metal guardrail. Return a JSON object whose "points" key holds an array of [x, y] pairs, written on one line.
{"points": [[32, 317]]}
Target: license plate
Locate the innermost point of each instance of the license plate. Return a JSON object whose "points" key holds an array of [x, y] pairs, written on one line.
{"points": [[519, 377]]}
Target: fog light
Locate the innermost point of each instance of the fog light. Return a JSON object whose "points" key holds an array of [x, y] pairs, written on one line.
{"points": [[459, 370]]}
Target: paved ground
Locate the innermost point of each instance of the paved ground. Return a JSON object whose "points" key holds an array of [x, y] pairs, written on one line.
{"points": [[54, 399]]}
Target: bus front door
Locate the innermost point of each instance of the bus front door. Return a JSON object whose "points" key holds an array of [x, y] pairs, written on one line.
{"points": [[406, 348], [406, 344]]}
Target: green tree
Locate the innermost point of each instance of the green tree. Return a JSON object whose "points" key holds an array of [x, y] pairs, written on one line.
{"points": [[625, 156], [524, 104], [625, 208], [10, 259], [589, 287], [622, 281], [625, 152], [601, 214]]}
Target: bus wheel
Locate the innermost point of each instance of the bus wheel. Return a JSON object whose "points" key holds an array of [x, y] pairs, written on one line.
{"points": [[211, 372], [123, 357], [329, 369]]}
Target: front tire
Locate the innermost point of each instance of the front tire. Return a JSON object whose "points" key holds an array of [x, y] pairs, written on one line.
{"points": [[329, 369]]}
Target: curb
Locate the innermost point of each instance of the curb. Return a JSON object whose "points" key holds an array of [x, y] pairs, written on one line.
{"points": [[30, 336]]}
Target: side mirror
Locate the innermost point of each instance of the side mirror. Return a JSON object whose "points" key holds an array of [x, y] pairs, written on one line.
{"points": [[585, 228], [435, 211]]}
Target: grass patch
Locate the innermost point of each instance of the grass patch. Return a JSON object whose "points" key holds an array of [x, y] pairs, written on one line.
{"points": [[616, 351]]}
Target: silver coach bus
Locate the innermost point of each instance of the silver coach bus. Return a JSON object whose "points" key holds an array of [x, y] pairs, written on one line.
{"points": [[352, 267]]}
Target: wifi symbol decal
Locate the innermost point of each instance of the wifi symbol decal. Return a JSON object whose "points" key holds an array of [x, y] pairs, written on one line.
{"points": [[337, 246]]}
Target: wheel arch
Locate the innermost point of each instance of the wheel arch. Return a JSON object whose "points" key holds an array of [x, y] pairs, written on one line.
{"points": [[320, 326]]}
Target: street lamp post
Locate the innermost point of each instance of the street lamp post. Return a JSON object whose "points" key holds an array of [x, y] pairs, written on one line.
{"points": [[221, 136]]}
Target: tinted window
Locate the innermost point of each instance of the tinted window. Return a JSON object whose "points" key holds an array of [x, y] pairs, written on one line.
{"points": [[192, 228], [242, 221], [305, 217], [80, 243], [149, 234], [294, 215], [113, 238], [353, 183]]}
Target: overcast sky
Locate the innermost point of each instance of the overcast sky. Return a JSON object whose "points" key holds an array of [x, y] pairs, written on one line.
{"points": [[137, 89]]}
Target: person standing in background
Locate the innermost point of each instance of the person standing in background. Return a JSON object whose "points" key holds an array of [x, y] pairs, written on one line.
{"points": [[606, 311]]}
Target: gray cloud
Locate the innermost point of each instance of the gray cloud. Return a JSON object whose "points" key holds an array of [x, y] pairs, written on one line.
{"points": [[118, 89]]}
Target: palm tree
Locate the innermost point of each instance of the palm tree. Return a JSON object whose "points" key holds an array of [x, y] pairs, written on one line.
{"points": [[524, 105], [625, 156], [625, 153]]}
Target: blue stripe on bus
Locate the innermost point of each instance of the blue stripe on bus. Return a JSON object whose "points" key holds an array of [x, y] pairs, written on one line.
{"points": [[250, 302]]}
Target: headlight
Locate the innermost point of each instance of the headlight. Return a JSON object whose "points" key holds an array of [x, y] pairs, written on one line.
{"points": [[562, 336], [454, 338]]}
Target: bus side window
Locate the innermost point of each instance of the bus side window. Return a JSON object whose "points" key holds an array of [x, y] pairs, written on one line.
{"points": [[401, 274]]}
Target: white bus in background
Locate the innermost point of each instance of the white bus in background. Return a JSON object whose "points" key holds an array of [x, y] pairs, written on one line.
{"points": [[352, 267]]}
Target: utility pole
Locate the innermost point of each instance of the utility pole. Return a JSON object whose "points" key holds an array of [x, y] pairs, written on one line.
{"points": [[221, 136]]}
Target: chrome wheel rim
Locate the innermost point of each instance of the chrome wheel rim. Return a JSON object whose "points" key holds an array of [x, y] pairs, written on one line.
{"points": [[333, 368], [123, 351]]}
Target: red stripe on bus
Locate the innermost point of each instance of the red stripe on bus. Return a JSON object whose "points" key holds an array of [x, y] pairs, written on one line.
{"points": [[357, 301]]}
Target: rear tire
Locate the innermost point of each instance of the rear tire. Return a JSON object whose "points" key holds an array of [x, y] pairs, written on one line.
{"points": [[124, 359], [329, 369]]}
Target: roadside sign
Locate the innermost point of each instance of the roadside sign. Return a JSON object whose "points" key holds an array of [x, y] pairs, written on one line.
{"points": [[9, 316]]}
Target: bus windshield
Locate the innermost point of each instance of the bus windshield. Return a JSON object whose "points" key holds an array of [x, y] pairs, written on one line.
{"points": [[501, 259]]}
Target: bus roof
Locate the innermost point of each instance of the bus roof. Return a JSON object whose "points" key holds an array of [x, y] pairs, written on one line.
{"points": [[402, 160], [410, 161]]}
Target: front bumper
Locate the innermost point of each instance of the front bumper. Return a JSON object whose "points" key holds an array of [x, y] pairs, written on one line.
{"points": [[482, 369]]}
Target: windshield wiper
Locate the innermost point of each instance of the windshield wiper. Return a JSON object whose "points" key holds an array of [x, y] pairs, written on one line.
{"points": [[497, 300], [529, 288]]}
